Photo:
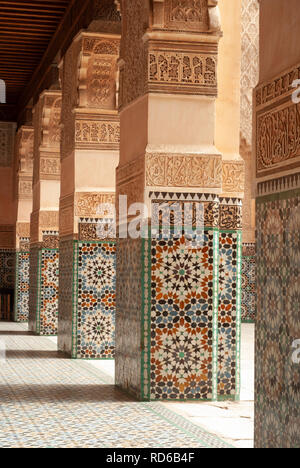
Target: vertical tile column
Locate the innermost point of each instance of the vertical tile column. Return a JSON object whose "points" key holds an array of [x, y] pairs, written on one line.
{"points": [[168, 300], [23, 166], [90, 154], [277, 145], [44, 253], [7, 219]]}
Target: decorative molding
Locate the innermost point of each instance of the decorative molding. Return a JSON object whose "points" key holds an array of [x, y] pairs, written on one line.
{"points": [[279, 185], [278, 139], [183, 170], [233, 176], [25, 189], [100, 134], [280, 87], [51, 119], [91, 204], [50, 166], [249, 250], [178, 71], [249, 64], [98, 71], [50, 241], [24, 150], [186, 15], [93, 231]]}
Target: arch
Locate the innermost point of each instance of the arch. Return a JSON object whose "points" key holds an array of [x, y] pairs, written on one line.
{"points": [[2, 92]]}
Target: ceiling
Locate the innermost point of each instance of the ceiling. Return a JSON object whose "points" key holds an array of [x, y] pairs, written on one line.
{"points": [[26, 28]]}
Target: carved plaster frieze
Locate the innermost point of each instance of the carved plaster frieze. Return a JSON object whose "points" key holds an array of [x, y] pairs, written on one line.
{"points": [[51, 129], [186, 15], [94, 204], [277, 88], [25, 189], [97, 134], [179, 71], [278, 139], [233, 177], [24, 150], [183, 170], [49, 166], [98, 71]]}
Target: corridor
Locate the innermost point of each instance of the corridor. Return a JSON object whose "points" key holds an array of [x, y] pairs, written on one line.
{"points": [[47, 401]]}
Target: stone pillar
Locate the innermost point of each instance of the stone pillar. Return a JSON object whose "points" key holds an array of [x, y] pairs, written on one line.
{"points": [[170, 310], [23, 195], [249, 79], [7, 220], [277, 151], [90, 154], [44, 240]]}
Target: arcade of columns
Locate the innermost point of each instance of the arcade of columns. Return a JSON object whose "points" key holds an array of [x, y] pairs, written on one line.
{"points": [[138, 111]]}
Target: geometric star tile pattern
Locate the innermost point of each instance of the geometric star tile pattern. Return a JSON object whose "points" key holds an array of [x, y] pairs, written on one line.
{"points": [[249, 289], [22, 287], [229, 315], [95, 300], [278, 325], [190, 298], [182, 319], [51, 402], [47, 313], [7, 269]]}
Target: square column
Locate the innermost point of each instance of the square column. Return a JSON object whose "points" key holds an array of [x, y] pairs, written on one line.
{"points": [[178, 301], [23, 166], [90, 155], [7, 220], [44, 235], [277, 379]]}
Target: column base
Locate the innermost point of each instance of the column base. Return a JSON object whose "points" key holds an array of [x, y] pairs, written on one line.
{"points": [[178, 312]]}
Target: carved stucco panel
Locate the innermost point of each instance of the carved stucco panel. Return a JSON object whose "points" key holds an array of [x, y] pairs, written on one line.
{"points": [[233, 175], [91, 204], [183, 170]]}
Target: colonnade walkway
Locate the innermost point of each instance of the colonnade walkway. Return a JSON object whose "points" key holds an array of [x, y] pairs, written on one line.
{"points": [[48, 401]]}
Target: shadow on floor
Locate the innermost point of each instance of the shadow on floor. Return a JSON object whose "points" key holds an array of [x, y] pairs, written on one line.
{"points": [[63, 393], [16, 333], [31, 354]]}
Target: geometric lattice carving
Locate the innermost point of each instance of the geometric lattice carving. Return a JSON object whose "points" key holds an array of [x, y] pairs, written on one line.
{"points": [[250, 63], [6, 143]]}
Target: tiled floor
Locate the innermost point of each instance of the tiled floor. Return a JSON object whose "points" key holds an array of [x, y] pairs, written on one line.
{"points": [[232, 421], [52, 402]]}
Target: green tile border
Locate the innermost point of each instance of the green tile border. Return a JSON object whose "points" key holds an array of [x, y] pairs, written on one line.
{"points": [[239, 315], [17, 282], [216, 287]]}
